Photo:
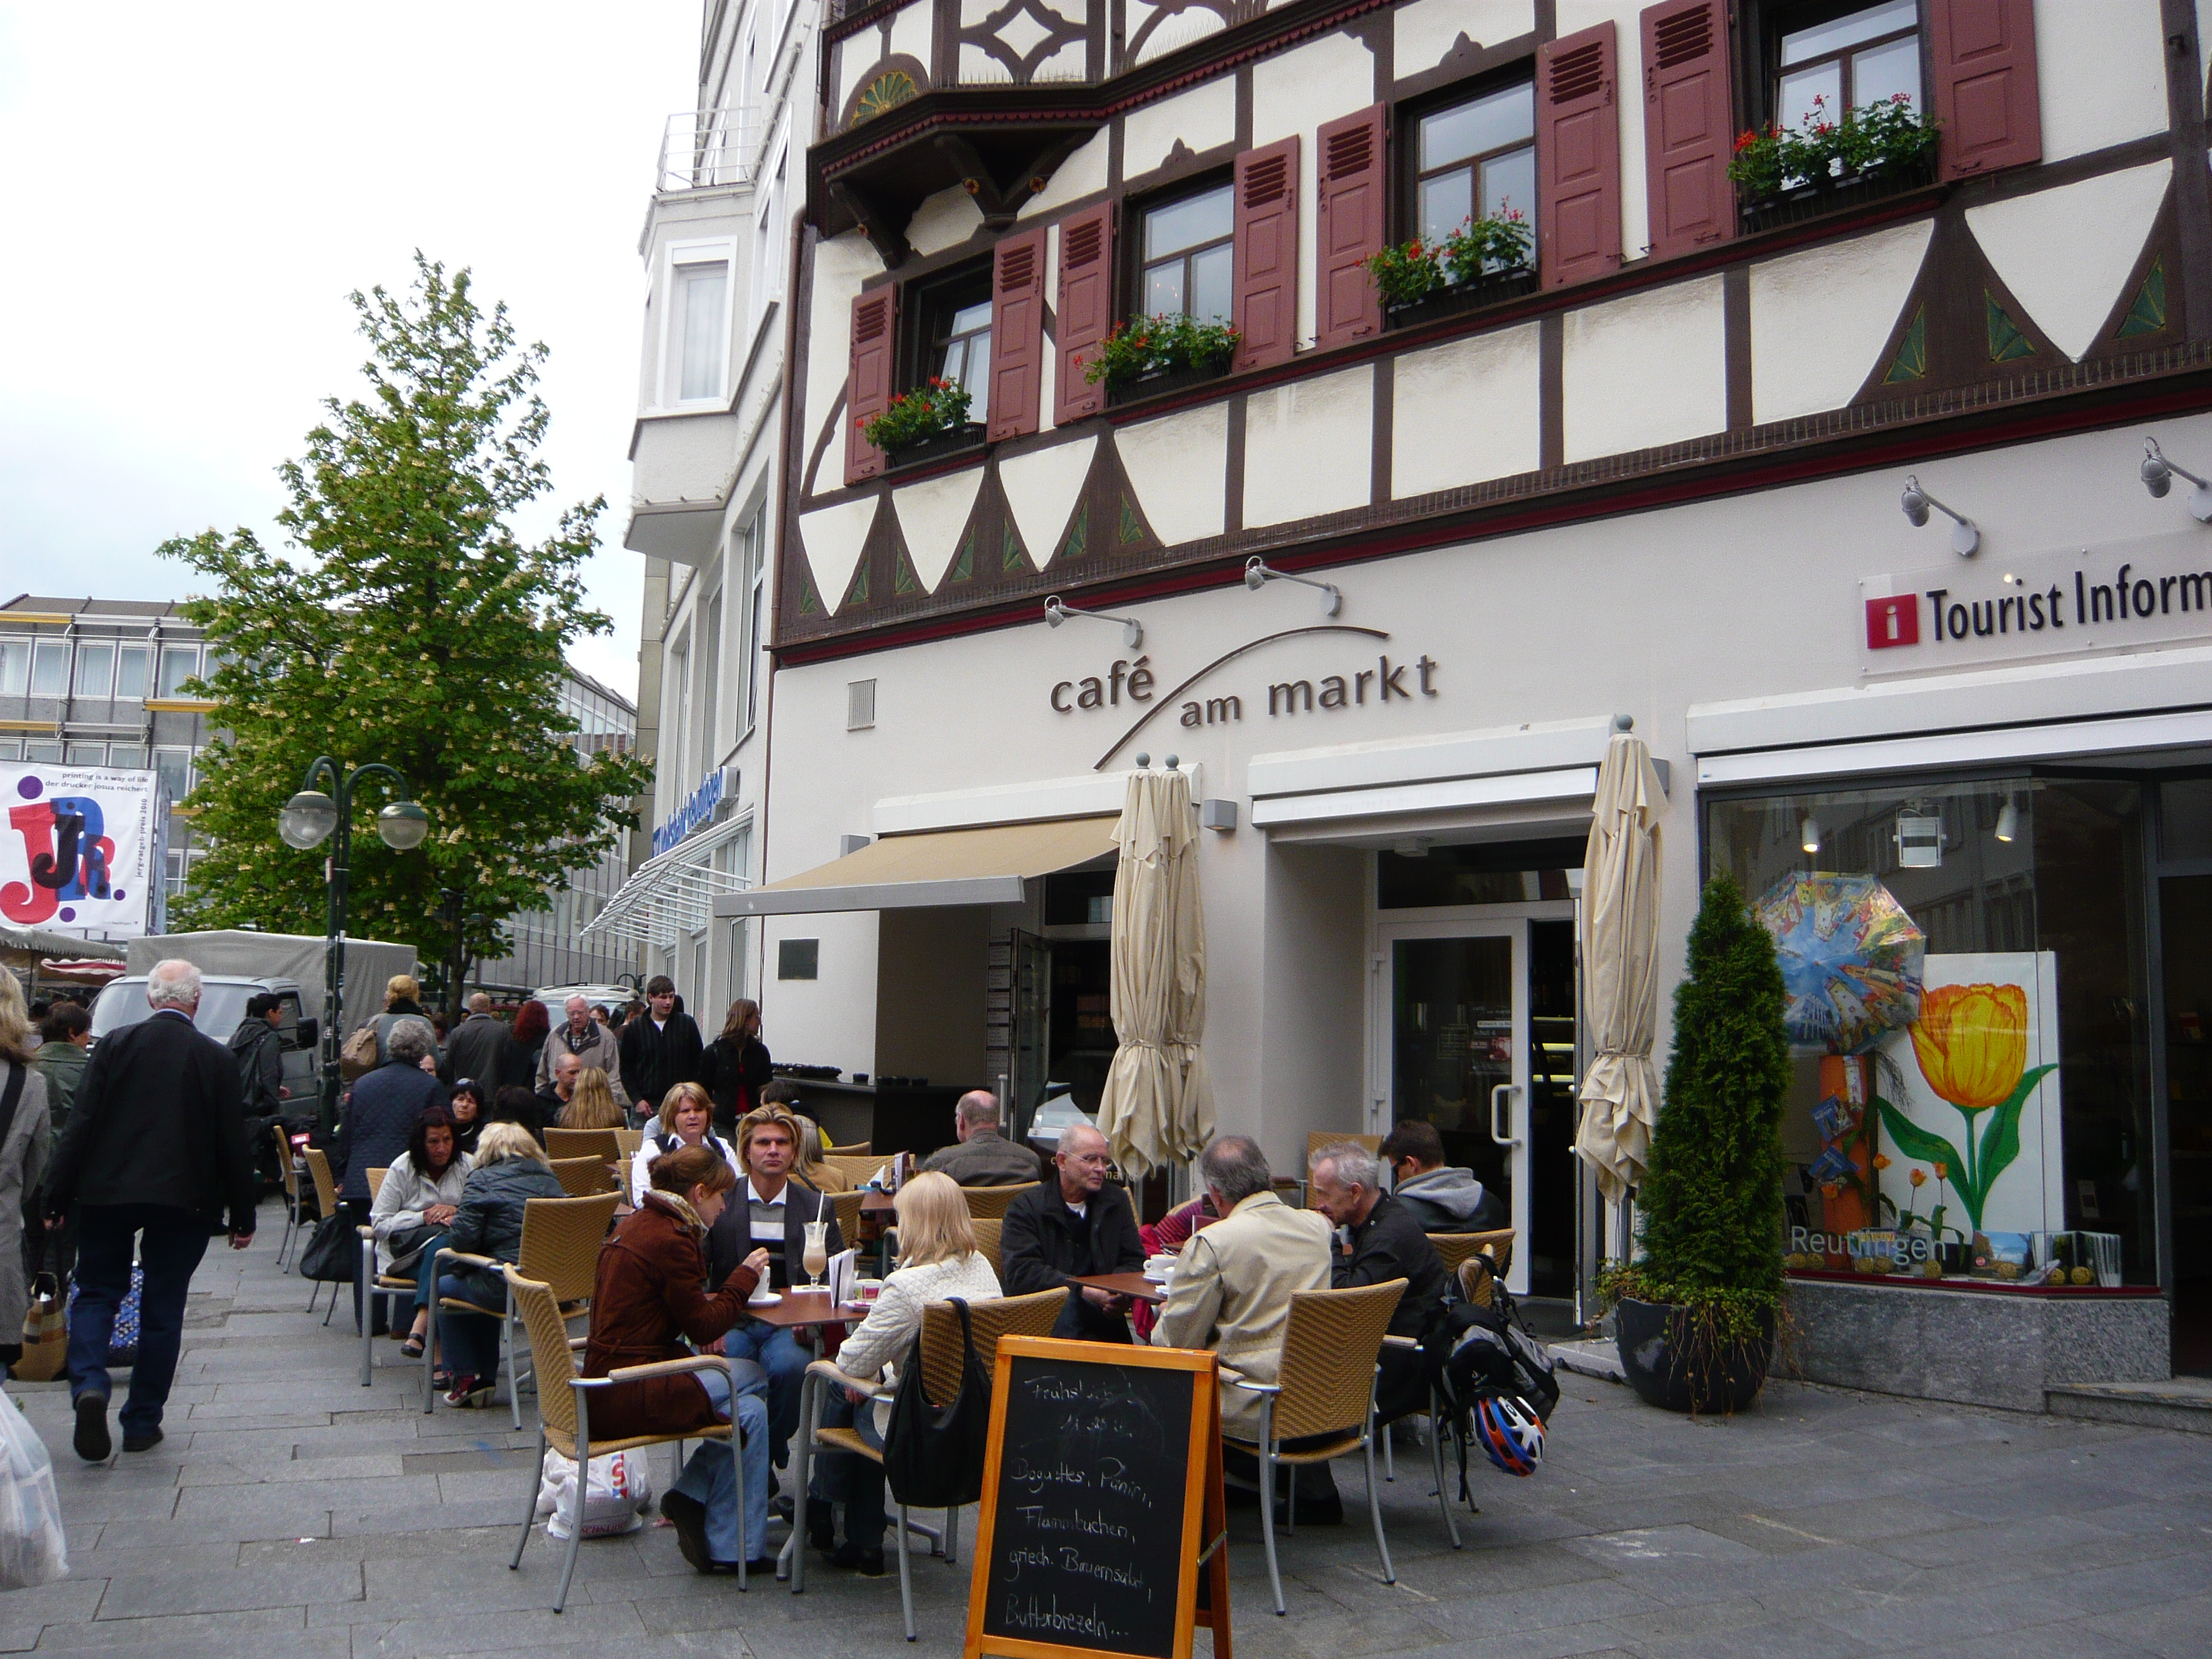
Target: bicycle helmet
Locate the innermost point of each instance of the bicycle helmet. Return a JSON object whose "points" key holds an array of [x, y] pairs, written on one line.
{"points": [[1511, 1432]]}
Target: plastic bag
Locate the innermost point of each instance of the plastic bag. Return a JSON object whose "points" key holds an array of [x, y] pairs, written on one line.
{"points": [[614, 1503], [34, 1549]]}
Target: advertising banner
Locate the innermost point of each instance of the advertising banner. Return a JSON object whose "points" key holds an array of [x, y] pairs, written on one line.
{"points": [[83, 848]]}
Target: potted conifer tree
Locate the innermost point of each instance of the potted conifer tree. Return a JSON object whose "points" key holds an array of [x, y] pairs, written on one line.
{"points": [[1695, 1312]]}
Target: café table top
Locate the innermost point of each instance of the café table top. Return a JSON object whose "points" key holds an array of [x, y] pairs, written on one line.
{"points": [[1134, 1285], [809, 1308], [876, 1202]]}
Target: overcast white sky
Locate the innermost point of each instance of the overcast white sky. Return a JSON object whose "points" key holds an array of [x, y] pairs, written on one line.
{"points": [[191, 192]]}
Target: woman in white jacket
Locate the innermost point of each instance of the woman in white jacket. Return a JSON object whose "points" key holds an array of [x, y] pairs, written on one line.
{"points": [[416, 1205], [937, 1262], [686, 1119]]}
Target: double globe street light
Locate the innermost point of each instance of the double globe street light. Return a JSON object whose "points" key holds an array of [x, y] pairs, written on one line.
{"points": [[313, 817]]}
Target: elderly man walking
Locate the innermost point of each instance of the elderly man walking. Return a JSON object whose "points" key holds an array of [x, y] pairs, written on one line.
{"points": [[592, 1043], [981, 1157], [154, 1150]]}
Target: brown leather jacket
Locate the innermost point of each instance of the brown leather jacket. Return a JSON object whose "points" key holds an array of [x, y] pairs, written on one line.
{"points": [[651, 1293]]}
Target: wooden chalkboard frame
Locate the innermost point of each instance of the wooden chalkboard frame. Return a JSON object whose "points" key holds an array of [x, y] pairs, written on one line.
{"points": [[1205, 1513]]}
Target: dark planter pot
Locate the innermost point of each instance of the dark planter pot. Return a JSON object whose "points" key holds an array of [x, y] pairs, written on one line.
{"points": [[1160, 381], [1659, 1354], [935, 448], [1815, 201], [1499, 286]]}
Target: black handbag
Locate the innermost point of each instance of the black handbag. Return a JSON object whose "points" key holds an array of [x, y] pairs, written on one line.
{"points": [[333, 1252], [934, 1459]]}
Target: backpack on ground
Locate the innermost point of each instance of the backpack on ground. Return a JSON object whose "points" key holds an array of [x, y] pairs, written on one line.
{"points": [[1487, 1354]]}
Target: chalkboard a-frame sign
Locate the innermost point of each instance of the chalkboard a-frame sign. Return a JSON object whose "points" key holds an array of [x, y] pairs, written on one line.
{"points": [[1101, 1528]]}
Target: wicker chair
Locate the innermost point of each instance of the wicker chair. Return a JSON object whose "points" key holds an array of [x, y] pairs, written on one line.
{"points": [[327, 1203], [991, 1203], [857, 1149], [585, 1177], [288, 1162], [626, 1141], [389, 1288], [986, 1228], [1317, 1139], [1475, 1277], [855, 1167], [1325, 1388], [846, 1207], [604, 1145], [561, 1240], [564, 1411], [942, 1362], [1454, 1248]]}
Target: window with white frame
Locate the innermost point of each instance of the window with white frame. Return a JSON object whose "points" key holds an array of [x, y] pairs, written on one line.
{"points": [[14, 667], [95, 668], [84, 753], [697, 348], [710, 680], [755, 609], [768, 267], [50, 668], [175, 766], [679, 724], [43, 750], [134, 671], [179, 664]]}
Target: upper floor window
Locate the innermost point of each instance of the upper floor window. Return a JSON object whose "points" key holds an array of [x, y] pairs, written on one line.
{"points": [[134, 670], [49, 669], [179, 664], [698, 323], [955, 337], [1475, 159], [95, 668], [1189, 256], [1845, 58], [14, 667]]}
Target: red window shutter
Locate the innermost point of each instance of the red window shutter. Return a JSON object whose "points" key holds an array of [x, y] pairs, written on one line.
{"points": [[1983, 52], [1354, 188], [1578, 156], [1085, 311], [1688, 135], [1016, 334], [1266, 296], [868, 382]]}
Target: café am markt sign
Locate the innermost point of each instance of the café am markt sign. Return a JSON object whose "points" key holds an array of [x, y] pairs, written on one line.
{"points": [[2127, 596]]}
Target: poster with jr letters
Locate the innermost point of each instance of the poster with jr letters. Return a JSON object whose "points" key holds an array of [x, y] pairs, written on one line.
{"points": [[83, 848]]}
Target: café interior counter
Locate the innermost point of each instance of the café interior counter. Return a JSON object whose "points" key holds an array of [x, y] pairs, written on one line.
{"points": [[896, 1117]]}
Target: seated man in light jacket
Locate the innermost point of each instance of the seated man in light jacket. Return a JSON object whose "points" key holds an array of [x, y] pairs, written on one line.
{"points": [[1231, 1288]]}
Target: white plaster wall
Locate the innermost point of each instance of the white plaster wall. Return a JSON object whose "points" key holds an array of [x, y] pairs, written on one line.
{"points": [[1179, 467], [1071, 62], [1308, 446], [1575, 16], [1202, 118], [833, 537], [1422, 32], [856, 56], [911, 29], [1309, 990], [1083, 173], [2100, 73], [973, 12], [1175, 32], [932, 515], [1040, 487], [1466, 411], [979, 69], [1645, 370], [840, 265], [2066, 253], [1295, 91], [1821, 319], [942, 221]]}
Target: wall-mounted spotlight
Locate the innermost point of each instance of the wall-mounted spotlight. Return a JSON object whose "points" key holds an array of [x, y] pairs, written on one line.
{"points": [[1965, 535], [1257, 575], [1809, 833], [2157, 475], [2007, 821], [1133, 631]]}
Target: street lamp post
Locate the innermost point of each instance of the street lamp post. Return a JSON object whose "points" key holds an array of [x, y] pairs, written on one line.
{"points": [[308, 819]]}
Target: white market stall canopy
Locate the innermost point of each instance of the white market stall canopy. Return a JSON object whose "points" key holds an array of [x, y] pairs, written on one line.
{"points": [[987, 866], [671, 895]]}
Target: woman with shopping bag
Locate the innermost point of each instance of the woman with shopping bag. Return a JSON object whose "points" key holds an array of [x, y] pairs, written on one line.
{"points": [[23, 1126]]}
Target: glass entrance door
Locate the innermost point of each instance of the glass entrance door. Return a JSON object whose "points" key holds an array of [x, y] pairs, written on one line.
{"points": [[2185, 908]]}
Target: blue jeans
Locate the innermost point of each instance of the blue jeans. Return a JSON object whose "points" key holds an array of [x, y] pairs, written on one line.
{"points": [[849, 1477], [468, 1343], [710, 1475], [776, 1350], [174, 1240]]}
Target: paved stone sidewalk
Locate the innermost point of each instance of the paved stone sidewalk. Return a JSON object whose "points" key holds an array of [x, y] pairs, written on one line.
{"points": [[292, 1512]]}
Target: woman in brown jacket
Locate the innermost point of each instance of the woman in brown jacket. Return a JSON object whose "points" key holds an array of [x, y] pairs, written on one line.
{"points": [[651, 1298]]}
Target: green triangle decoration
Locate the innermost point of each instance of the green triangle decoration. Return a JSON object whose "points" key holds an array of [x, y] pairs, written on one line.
{"points": [[963, 566], [903, 580], [1911, 361], [858, 593], [2148, 315], [2007, 342], [810, 602], [1133, 527], [1078, 534], [1010, 557]]}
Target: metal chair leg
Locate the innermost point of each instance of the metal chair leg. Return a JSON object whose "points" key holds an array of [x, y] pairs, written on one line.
{"points": [[514, 1365], [737, 1468], [952, 1536], [1389, 1458], [810, 1422], [368, 1308], [1437, 1462], [906, 1575], [1290, 1502], [576, 1498], [1374, 1504], [530, 1501], [1267, 1519]]}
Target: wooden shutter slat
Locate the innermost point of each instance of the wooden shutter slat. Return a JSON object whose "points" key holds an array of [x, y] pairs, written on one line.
{"points": [[1688, 133], [1354, 190], [1086, 309], [1578, 156], [1267, 229], [1016, 334], [1984, 75], [868, 379]]}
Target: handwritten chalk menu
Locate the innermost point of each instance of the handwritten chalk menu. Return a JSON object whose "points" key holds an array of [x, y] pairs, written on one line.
{"points": [[1101, 1501]]}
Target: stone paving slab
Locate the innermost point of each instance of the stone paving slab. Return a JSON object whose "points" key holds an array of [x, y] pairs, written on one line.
{"points": [[293, 1512]]}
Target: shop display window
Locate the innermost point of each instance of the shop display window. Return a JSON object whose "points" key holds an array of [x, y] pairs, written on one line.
{"points": [[1970, 1004]]}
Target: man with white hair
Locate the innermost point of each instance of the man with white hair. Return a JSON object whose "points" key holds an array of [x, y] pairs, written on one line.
{"points": [[1378, 1240], [155, 1152], [981, 1157], [592, 1043], [1076, 1225]]}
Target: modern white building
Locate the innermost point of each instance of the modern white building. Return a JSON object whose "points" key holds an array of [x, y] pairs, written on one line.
{"points": [[1702, 464]]}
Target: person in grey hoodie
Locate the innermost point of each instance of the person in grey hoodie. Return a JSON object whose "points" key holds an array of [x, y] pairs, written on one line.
{"points": [[1442, 1198]]}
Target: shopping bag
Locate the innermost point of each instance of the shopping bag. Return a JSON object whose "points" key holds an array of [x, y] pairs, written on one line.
{"points": [[615, 1501], [46, 1334], [358, 1058], [34, 1549], [122, 1341]]}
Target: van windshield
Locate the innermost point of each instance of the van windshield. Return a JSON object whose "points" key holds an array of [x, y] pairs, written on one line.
{"points": [[222, 1007]]}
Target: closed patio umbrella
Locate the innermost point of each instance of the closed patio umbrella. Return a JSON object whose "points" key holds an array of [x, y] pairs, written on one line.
{"points": [[1158, 1105], [1620, 967]]}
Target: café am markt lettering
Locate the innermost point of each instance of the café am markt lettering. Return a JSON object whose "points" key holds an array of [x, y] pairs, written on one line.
{"points": [[694, 812], [1386, 681], [2129, 596]]}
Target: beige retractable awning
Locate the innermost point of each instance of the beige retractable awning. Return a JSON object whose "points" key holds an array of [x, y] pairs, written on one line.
{"points": [[939, 867]]}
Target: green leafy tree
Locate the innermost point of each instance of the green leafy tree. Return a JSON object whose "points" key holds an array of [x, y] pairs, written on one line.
{"points": [[1711, 1198], [406, 623]]}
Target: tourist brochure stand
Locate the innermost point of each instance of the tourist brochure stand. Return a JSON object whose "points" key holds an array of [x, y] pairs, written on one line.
{"points": [[1103, 1529]]}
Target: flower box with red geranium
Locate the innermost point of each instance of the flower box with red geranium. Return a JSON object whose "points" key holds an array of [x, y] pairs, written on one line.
{"points": [[1825, 165], [1483, 261], [1150, 354], [930, 420]]}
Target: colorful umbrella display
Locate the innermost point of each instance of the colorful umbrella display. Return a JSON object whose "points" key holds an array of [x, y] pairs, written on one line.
{"points": [[1850, 960]]}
